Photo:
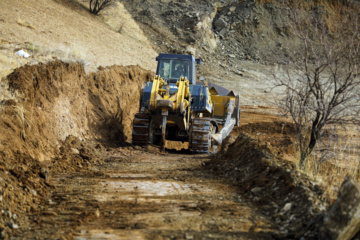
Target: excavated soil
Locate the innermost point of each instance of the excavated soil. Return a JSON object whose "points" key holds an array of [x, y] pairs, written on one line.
{"points": [[67, 167], [67, 170], [57, 125]]}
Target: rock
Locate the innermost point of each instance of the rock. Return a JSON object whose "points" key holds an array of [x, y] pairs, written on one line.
{"points": [[282, 234], [75, 151], [190, 50], [256, 190], [220, 24], [206, 49], [286, 208], [232, 9], [12, 225], [223, 32], [342, 220], [22, 53]]}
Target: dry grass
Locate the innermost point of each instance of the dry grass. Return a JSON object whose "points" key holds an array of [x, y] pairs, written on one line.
{"points": [[330, 167], [342, 161], [66, 53]]}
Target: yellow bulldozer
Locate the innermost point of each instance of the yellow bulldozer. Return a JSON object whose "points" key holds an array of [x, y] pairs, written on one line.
{"points": [[175, 106]]}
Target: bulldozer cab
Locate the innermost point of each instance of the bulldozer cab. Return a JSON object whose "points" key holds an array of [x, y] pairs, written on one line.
{"points": [[173, 66], [172, 70]]}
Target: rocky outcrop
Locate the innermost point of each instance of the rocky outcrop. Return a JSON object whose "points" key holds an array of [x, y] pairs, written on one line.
{"points": [[342, 220], [171, 24]]}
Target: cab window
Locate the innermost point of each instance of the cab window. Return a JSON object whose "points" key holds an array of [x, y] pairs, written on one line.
{"points": [[173, 69]]}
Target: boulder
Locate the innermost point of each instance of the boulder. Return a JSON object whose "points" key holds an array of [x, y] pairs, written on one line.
{"points": [[342, 220]]}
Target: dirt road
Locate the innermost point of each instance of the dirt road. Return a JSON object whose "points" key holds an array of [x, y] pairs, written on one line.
{"points": [[145, 194]]}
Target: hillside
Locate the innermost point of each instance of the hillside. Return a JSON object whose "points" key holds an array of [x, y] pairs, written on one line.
{"points": [[64, 30]]}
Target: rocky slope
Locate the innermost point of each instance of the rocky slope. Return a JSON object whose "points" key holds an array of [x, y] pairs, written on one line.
{"points": [[235, 39]]}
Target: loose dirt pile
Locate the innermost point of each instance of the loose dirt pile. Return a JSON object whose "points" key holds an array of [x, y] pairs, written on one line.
{"points": [[290, 198], [53, 124]]}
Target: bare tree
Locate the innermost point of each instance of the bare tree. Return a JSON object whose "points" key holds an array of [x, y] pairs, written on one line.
{"points": [[95, 6], [321, 83]]}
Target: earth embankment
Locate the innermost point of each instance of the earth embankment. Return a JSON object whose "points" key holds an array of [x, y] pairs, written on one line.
{"points": [[52, 125], [280, 192]]}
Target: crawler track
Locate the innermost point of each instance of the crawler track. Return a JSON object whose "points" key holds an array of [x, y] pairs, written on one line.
{"points": [[140, 133], [202, 129]]}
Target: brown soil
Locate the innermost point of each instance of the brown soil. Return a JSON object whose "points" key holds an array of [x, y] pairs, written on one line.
{"points": [[66, 176], [258, 169], [59, 182], [59, 99], [146, 195], [52, 126], [68, 171]]}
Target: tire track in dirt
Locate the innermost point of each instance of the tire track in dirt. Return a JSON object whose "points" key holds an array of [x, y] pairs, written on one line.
{"points": [[147, 196]]}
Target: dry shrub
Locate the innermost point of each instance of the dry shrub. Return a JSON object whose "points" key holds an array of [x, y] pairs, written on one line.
{"points": [[96, 6], [337, 159]]}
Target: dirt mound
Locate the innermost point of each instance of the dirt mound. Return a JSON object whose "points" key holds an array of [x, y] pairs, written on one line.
{"points": [[53, 125], [281, 192], [280, 135], [58, 99], [114, 95]]}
